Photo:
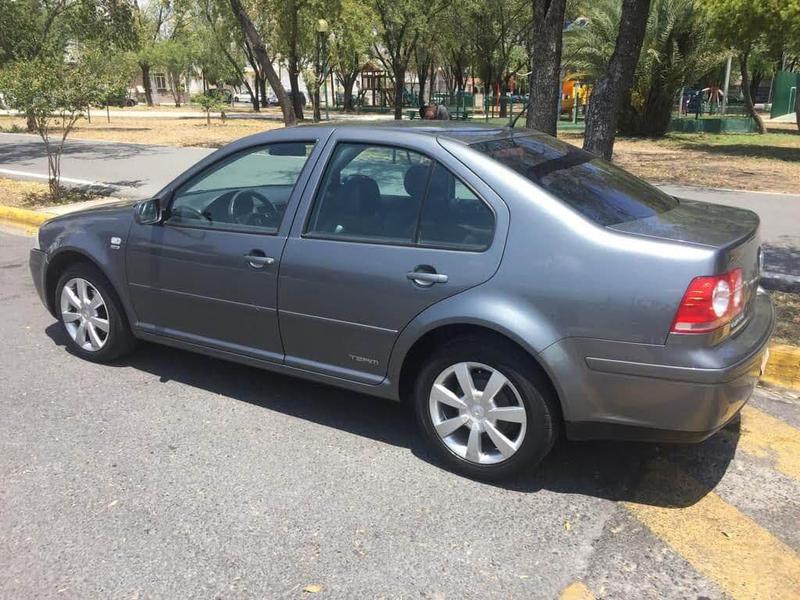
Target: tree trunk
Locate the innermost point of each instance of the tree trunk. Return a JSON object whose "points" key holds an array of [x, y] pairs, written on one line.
{"points": [[612, 87], [316, 101], [30, 121], [347, 83], [148, 86], [262, 90], [422, 79], [399, 88], [294, 85], [545, 79], [267, 69], [748, 99]]}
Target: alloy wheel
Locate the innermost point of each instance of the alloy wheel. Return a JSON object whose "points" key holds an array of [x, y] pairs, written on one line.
{"points": [[84, 314], [478, 413]]}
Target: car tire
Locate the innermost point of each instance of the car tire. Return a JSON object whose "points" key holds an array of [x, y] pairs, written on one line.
{"points": [[73, 312], [526, 387]]}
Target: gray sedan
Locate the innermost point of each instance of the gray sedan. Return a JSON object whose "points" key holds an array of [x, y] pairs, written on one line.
{"points": [[510, 287]]}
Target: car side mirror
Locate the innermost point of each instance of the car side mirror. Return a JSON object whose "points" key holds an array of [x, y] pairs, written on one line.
{"points": [[147, 212]]}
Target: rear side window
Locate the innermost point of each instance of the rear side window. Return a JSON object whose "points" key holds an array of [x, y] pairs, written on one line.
{"points": [[453, 216], [392, 195], [592, 186]]}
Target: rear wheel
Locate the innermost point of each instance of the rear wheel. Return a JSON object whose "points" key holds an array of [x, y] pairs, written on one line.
{"points": [[484, 409], [91, 314]]}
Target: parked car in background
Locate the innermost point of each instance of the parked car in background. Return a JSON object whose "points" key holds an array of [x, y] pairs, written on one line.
{"points": [[242, 97], [511, 287]]}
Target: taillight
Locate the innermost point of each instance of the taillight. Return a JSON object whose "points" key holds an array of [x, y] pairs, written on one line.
{"points": [[709, 303]]}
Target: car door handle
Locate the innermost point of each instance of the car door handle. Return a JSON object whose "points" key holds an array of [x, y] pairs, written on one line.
{"points": [[426, 279], [258, 260]]}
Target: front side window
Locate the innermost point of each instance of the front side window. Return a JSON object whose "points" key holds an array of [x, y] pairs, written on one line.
{"points": [[393, 195], [248, 192], [592, 186]]}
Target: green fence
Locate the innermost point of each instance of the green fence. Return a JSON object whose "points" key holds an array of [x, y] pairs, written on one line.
{"points": [[784, 93]]}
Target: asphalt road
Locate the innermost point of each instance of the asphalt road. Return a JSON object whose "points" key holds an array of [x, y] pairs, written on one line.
{"points": [[127, 170], [172, 475]]}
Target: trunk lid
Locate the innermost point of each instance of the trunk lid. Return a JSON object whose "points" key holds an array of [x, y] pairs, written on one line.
{"points": [[732, 232]]}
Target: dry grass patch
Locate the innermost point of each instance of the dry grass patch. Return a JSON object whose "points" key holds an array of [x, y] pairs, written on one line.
{"points": [[35, 194], [164, 131], [787, 317], [769, 163]]}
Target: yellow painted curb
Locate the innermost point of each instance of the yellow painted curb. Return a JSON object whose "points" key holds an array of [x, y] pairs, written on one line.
{"points": [[21, 217], [783, 366]]}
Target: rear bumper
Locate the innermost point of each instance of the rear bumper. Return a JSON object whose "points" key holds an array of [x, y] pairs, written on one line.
{"points": [[659, 393], [38, 266]]}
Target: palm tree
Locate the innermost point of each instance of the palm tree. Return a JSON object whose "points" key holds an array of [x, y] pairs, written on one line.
{"points": [[676, 51]]}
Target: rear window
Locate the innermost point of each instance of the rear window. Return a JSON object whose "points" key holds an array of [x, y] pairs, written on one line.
{"points": [[594, 187]]}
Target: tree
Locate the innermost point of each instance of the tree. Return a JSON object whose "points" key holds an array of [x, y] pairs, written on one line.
{"points": [[675, 52], [609, 92], [545, 78], [790, 25], [56, 94], [177, 57], [209, 101], [501, 30], [352, 35], [217, 24], [112, 72], [741, 25], [262, 57], [403, 23]]}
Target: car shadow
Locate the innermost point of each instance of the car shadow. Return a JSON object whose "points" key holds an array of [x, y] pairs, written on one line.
{"points": [[659, 475]]}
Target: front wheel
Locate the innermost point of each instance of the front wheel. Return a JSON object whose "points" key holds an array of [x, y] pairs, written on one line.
{"points": [[483, 408], [92, 315]]}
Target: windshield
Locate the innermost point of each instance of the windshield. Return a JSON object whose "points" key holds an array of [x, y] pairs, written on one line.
{"points": [[595, 188]]}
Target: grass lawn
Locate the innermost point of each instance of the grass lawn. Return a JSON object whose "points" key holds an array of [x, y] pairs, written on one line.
{"points": [[787, 317], [36, 194]]}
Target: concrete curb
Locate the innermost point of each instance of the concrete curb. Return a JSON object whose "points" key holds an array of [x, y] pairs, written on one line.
{"points": [[29, 220], [780, 282], [783, 367]]}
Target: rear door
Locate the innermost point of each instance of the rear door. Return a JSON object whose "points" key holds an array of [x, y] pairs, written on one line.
{"points": [[384, 231]]}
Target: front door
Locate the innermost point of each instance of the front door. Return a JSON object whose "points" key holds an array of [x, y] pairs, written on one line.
{"points": [[390, 231], [208, 274]]}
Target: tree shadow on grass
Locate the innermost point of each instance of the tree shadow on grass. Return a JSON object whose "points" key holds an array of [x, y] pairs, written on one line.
{"points": [[746, 151], [659, 475]]}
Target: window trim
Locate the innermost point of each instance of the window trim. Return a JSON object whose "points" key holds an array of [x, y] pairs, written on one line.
{"points": [[414, 243], [223, 162]]}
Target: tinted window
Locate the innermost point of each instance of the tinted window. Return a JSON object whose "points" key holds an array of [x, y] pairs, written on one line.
{"points": [[371, 192], [595, 188], [453, 216], [248, 192], [393, 195]]}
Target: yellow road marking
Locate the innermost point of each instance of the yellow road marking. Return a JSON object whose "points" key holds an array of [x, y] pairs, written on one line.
{"points": [[576, 591], [766, 436], [729, 548]]}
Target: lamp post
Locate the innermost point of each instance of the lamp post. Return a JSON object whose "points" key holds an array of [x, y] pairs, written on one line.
{"points": [[321, 83]]}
